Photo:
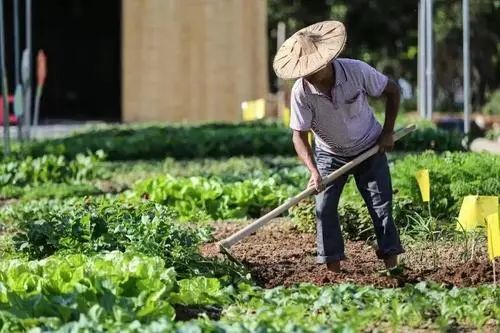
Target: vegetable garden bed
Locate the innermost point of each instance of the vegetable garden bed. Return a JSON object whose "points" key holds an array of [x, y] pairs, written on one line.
{"points": [[141, 258], [136, 142], [280, 255]]}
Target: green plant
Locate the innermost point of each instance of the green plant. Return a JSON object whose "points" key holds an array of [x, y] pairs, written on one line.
{"points": [[131, 142], [431, 138], [492, 107], [10, 191], [129, 292], [452, 176], [354, 218], [48, 190], [283, 169], [200, 198], [424, 229], [93, 225], [493, 134], [112, 289], [140, 142], [50, 169], [59, 191], [470, 239], [303, 215], [351, 308]]}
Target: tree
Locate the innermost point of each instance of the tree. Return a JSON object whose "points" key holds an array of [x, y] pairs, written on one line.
{"points": [[384, 34]]}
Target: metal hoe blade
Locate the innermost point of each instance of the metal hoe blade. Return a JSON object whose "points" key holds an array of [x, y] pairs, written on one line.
{"points": [[224, 250]]}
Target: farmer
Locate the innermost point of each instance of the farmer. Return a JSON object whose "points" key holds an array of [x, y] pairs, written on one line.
{"points": [[330, 98]]}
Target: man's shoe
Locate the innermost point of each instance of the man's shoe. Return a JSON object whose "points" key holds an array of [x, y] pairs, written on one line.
{"points": [[391, 267], [333, 266], [391, 262]]}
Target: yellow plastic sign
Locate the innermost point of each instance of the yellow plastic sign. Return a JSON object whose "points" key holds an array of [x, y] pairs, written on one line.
{"points": [[311, 138], [474, 211], [253, 110], [286, 121], [424, 184], [493, 236], [286, 116]]}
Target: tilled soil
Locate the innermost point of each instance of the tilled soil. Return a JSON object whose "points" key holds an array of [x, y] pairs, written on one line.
{"points": [[279, 255]]}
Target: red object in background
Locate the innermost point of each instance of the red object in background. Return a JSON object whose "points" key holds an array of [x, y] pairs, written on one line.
{"points": [[12, 117], [41, 68]]}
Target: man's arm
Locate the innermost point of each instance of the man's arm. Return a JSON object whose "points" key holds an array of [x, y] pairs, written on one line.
{"points": [[304, 151], [392, 94], [377, 84]]}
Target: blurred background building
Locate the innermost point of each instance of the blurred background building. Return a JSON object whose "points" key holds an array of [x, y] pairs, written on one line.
{"points": [[197, 60], [193, 60]]}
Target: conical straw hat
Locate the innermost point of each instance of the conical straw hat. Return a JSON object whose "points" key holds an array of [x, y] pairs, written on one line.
{"points": [[309, 49]]}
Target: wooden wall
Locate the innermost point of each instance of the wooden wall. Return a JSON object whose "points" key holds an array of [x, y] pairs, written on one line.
{"points": [[192, 60]]}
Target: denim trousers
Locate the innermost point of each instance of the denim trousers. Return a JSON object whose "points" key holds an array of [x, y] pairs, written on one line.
{"points": [[373, 181]]}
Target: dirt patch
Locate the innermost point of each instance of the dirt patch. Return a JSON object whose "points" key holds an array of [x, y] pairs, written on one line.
{"points": [[279, 255]]}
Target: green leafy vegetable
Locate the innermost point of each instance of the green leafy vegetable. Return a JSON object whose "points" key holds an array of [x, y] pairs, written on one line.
{"points": [[199, 198]]}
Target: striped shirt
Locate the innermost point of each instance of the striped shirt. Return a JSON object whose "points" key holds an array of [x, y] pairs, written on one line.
{"points": [[343, 123]]}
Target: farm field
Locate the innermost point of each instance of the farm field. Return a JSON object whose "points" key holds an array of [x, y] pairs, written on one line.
{"points": [[114, 230]]}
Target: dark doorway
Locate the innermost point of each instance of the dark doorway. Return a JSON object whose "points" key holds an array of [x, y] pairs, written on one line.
{"points": [[82, 41]]}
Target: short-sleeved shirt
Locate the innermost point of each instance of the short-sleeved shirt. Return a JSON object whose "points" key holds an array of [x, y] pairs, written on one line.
{"points": [[343, 123]]}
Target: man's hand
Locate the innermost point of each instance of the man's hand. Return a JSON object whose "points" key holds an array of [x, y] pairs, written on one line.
{"points": [[385, 142], [301, 144], [315, 181]]}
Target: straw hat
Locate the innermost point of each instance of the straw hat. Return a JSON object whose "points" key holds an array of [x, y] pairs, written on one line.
{"points": [[309, 49]]}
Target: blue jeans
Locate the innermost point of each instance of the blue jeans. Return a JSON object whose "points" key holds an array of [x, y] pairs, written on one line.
{"points": [[373, 181]]}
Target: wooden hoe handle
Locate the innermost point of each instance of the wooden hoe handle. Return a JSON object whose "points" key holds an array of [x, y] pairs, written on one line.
{"points": [[259, 223]]}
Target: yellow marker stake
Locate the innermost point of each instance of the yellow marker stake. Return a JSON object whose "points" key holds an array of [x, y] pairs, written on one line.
{"points": [[286, 121], [493, 240], [253, 110], [286, 116], [424, 184], [311, 138], [474, 211], [493, 236]]}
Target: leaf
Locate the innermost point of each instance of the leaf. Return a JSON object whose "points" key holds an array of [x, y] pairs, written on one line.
{"points": [[197, 291]]}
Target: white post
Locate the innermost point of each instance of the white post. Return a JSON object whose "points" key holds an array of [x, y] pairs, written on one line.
{"points": [[5, 91], [28, 83], [429, 71], [17, 65], [17, 55], [466, 62], [280, 39], [421, 59]]}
